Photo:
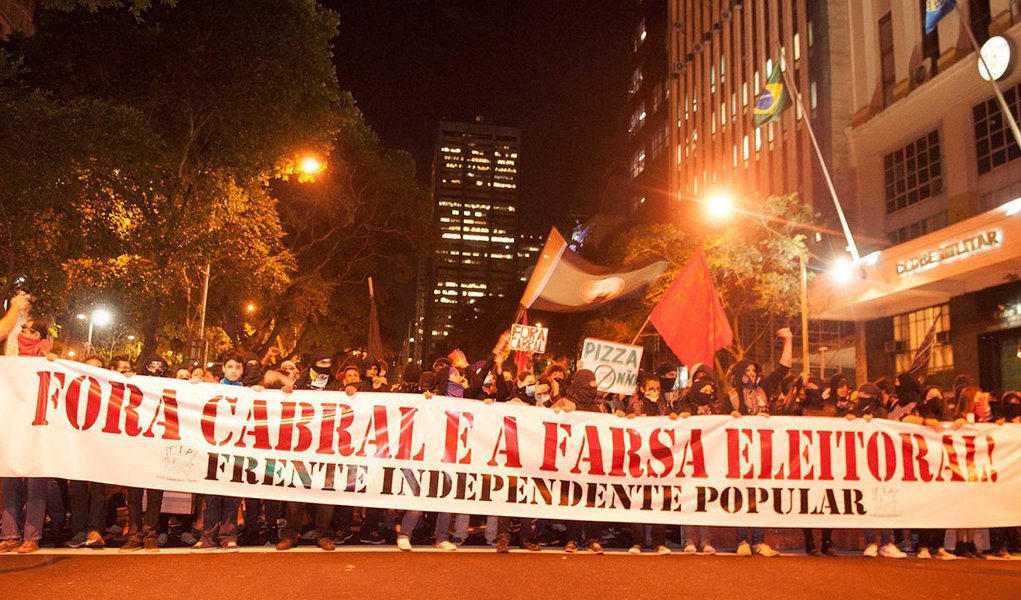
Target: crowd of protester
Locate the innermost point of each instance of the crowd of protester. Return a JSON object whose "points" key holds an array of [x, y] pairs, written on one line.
{"points": [[90, 515]]}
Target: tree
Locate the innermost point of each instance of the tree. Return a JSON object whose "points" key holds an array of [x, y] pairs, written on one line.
{"points": [[233, 103]]}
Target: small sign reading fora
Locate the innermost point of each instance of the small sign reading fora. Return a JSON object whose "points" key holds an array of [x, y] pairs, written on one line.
{"points": [[526, 338]]}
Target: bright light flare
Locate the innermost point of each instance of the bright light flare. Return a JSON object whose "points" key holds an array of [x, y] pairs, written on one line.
{"points": [[102, 317], [310, 165], [719, 206], [250, 308], [842, 270]]}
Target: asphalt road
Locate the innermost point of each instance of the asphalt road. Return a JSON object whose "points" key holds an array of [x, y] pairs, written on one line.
{"points": [[473, 575]]}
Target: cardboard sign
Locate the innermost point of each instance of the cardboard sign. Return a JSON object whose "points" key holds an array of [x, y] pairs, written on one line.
{"points": [[615, 365], [526, 338]]}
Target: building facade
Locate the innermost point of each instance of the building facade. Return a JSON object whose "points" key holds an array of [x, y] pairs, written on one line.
{"points": [[475, 196], [16, 15], [935, 172]]}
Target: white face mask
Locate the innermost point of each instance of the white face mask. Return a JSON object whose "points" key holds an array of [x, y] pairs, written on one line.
{"points": [[652, 395], [542, 399]]}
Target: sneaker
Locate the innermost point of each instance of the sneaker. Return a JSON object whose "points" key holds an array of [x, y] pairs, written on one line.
{"points": [[636, 549], [340, 537], [942, 554], [595, 548], [571, 548], [707, 549], [161, 539], [502, 545], [115, 529], [188, 539], [94, 540], [27, 547], [663, 550], [1001, 553], [77, 541], [404, 543], [892, 551], [446, 545], [767, 551], [231, 547], [9, 546], [151, 545], [690, 549], [286, 543], [744, 549], [372, 537], [872, 551], [201, 546], [812, 551], [923, 553], [829, 550], [533, 547], [132, 544], [326, 544]]}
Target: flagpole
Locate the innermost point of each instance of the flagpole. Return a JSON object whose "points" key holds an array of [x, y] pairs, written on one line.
{"points": [[803, 260], [1004, 108], [639, 334], [822, 162]]}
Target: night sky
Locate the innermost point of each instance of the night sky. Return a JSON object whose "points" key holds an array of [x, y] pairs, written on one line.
{"points": [[555, 68]]}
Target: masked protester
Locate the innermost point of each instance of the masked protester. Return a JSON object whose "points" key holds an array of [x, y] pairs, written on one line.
{"points": [[908, 394], [749, 395], [22, 528], [822, 401], [319, 375], [667, 374], [869, 405], [1001, 539], [839, 393], [252, 373], [409, 379], [703, 395], [144, 525], [648, 402]]}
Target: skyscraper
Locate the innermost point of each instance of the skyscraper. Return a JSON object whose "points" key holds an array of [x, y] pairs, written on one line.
{"points": [[475, 194]]}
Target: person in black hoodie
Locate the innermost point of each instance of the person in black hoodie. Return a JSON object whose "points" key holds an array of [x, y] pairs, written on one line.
{"points": [[749, 395], [409, 379], [143, 527], [821, 402], [584, 397], [319, 375], [703, 395]]}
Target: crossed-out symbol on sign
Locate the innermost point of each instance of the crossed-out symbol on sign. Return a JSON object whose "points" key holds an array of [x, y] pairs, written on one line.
{"points": [[605, 377]]}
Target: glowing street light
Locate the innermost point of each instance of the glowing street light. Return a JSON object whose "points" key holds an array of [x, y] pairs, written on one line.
{"points": [[250, 308], [842, 270], [101, 317], [719, 206], [310, 165]]}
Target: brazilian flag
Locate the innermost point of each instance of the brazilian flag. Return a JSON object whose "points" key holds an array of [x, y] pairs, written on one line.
{"points": [[772, 100]]}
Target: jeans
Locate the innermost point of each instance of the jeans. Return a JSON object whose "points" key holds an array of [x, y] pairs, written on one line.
{"points": [[697, 535], [24, 508], [886, 536], [144, 523], [638, 535], [754, 535], [88, 506], [443, 528], [220, 520], [322, 517]]}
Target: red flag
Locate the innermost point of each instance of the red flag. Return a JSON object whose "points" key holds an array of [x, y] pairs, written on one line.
{"points": [[690, 316]]}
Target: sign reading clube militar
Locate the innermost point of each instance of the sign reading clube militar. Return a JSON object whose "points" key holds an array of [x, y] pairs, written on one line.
{"points": [[525, 338], [615, 365], [68, 420]]}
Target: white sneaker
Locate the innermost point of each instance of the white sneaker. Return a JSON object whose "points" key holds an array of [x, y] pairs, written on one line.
{"points": [[872, 551], [892, 551], [707, 549], [663, 550], [403, 544], [636, 549], [766, 550], [924, 554], [744, 549], [942, 554], [690, 549], [446, 545]]}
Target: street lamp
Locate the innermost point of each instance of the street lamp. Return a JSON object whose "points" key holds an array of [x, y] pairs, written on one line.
{"points": [[250, 308], [310, 165], [100, 317], [842, 270], [719, 206]]}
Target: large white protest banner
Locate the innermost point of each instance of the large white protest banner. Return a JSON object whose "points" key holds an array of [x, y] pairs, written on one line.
{"points": [[615, 365], [68, 420]]}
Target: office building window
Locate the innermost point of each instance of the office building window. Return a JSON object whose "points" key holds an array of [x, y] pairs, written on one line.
{"points": [[919, 228], [909, 331], [913, 173], [886, 58], [994, 142]]}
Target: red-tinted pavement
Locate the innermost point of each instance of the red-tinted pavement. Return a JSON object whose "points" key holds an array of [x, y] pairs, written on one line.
{"points": [[469, 575]]}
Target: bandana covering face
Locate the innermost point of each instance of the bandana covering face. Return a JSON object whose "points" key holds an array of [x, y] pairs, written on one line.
{"points": [[29, 346]]}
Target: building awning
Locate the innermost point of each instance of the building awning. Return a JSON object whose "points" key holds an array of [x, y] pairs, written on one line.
{"points": [[964, 257]]}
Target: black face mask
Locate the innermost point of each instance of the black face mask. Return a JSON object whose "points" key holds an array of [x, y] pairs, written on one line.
{"points": [[667, 383], [252, 374], [703, 398]]}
